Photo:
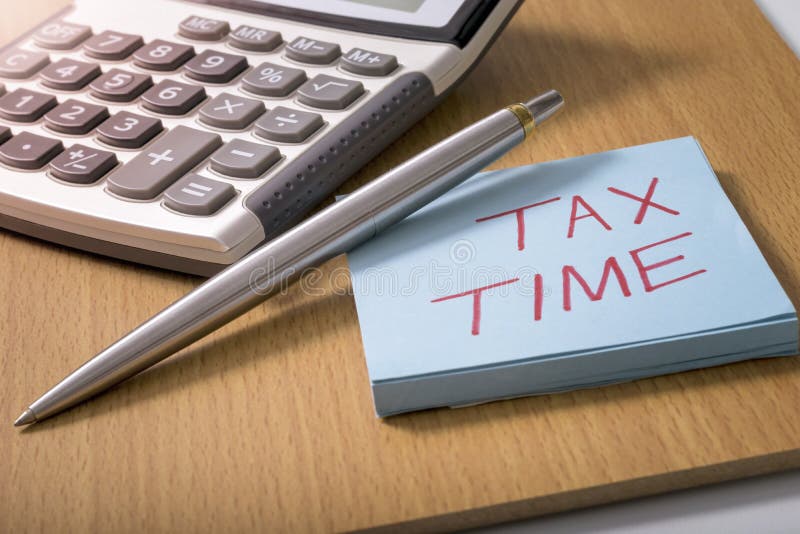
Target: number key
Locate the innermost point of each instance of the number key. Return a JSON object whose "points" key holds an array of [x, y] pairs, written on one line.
{"points": [[215, 67], [173, 98], [75, 117], [269, 79], [162, 55], [24, 105], [69, 74], [118, 85], [19, 64], [128, 130], [112, 46]]}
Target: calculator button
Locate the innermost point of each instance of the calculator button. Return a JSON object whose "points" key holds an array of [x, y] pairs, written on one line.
{"points": [[162, 55], [24, 105], [81, 164], [198, 195], [368, 63], [61, 35], [269, 79], [169, 158], [288, 125], [215, 67], [128, 130], [328, 92], [312, 51], [112, 46], [118, 85], [243, 159], [231, 112], [255, 39], [203, 29], [173, 98], [5, 134], [75, 117], [69, 74], [29, 151], [19, 64]]}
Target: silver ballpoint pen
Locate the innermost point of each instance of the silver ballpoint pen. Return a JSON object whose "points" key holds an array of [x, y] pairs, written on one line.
{"points": [[333, 231]]}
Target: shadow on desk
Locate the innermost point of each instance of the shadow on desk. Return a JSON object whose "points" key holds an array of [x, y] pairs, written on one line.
{"points": [[201, 362]]}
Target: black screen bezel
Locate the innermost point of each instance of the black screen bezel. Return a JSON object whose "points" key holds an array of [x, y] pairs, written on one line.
{"points": [[458, 31]]}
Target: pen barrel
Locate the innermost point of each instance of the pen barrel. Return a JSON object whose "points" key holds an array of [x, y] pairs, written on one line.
{"points": [[334, 230]]}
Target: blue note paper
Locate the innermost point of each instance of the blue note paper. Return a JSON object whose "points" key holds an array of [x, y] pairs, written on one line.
{"points": [[565, 274]]}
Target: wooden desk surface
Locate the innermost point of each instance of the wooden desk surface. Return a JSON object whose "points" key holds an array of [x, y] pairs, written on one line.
{"points": [[268, 424]]}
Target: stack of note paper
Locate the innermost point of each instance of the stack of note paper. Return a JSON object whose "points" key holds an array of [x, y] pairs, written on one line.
{"points": [[562, 275]]}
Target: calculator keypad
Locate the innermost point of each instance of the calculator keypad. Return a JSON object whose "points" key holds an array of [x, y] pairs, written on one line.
{"points": [[18, 64], [167, 78], [162, 55], [128, 130], [24, 105], [112, 46], [69, 74], [170, 157], [75, 117], [81, 164], [29, 151]]}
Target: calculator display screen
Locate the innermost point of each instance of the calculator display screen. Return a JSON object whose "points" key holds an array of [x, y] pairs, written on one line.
{"points": [[431, 13], [410, 6], [430, 20]]}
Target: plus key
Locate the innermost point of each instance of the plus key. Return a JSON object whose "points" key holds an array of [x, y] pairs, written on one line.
{"points": [[166, 160]]}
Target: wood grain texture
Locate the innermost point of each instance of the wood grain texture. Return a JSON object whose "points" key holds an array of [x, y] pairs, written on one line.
{"points": [[268, 425]]}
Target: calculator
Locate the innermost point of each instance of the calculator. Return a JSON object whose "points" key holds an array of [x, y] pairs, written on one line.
{"points": [[183, 134]]}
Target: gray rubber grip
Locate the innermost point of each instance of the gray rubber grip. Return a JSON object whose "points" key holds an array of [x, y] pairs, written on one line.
{"points": [[288, 196]]}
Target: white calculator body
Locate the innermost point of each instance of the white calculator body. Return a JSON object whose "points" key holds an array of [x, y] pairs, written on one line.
{"points": [[184, 134]]}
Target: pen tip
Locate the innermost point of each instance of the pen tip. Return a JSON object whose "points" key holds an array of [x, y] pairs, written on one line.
{"points": [[26, 418]]}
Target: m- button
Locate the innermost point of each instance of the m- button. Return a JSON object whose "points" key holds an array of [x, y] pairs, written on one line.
{"points": [[368, 63], [312, 51]]}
